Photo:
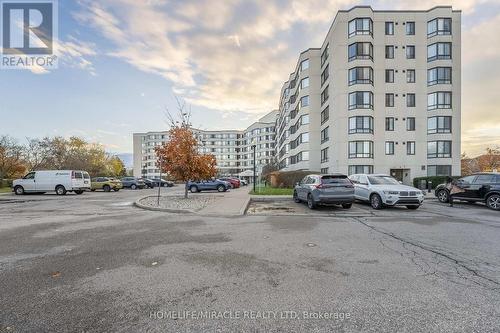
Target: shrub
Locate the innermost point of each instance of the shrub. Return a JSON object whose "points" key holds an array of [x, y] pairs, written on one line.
{"points": [[5, 183], [287, 179], [436, 180]]}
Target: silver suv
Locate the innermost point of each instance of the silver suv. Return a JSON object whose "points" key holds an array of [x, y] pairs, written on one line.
{"points": [[325, 189]]}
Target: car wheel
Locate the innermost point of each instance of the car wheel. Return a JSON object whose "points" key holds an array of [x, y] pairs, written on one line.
{"points": [[442, 196], [413, 207], [60, 190], [133, 187], [19, 190], [221, 188], [106, 188], [79, 192], [310, 202], [347, 205], [493, 202], [193, 189], [376, 201], [296, 197]]}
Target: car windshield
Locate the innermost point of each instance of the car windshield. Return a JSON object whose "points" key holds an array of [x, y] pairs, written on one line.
{"points": [[335, 180], [382, 180]]}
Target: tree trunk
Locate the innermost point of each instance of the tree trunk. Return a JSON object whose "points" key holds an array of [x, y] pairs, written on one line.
{"points": [[186, 191]]}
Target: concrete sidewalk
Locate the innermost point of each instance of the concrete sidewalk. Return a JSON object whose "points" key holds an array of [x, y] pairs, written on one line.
{"points": [[232, 203]]}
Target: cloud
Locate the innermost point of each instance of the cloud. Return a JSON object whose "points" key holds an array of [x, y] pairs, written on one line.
{"points": [[214, 56], [75, 53]]}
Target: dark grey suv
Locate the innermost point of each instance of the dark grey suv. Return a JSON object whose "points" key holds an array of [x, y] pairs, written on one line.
{"points": [[325, 189]]}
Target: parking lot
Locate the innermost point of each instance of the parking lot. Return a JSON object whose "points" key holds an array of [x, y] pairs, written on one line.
{"points": [[96, 263]]}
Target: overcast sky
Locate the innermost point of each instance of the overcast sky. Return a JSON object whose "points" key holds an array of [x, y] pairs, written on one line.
{"points": [[123, 61]]}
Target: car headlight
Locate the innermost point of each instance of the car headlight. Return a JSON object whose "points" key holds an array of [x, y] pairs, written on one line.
{"points": [[391, 192]]}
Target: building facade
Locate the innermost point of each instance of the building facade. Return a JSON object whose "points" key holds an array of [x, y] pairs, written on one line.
{"points": [[381, 95], [231, 148]]}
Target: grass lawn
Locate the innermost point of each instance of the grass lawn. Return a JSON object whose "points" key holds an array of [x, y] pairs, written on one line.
{"points": [[261, 190], [5, 189]]}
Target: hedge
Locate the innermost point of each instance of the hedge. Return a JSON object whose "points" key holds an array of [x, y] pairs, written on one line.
{"points": [[287, 179], [436, 180], [5, 183]]}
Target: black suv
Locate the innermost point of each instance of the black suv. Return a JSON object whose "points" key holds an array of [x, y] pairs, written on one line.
{"points": [[484, 187]]}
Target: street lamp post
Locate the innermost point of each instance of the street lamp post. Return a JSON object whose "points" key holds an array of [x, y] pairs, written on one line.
{"points": [[159, 186], [254, 146]]}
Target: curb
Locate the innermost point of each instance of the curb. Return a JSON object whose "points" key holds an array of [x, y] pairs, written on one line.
{"points": [[158, 209], [269, 198]]}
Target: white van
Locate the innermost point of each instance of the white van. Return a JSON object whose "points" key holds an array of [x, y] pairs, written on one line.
{"points": [[59, 181]]}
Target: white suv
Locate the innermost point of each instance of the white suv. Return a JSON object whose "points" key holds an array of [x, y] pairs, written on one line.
{"points": [[383, 190]]}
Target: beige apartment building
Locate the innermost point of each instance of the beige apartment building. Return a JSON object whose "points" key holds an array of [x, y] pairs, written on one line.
{"points": [[231, 148], [382, 94]]}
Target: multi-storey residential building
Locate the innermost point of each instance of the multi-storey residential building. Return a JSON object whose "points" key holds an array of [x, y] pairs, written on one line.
{"points": [[381, 95], [233, 149]]}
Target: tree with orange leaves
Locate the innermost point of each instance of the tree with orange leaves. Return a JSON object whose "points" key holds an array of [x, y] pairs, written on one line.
{"points": [[180, 156]]}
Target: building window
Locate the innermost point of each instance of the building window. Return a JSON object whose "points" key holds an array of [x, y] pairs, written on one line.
{"points": [[361, 100], [439, 26], [410, 28], [410, 123], [324, 95], [389, 124], [324, 171], [325, 114], [324, 135], [439, 75], [438, 149], [389, 147], [410, 76], [360, 26], [356, 169], [325, 74], [304, 83], [361, 124], [410, 100], [324, 55], [410, 148], [410, 51], [438, 170], [438, 51], [324, 155], [389, 51], [441, 124], [389, 76], [360, 149], [439, 100], [389, 100], [360, 50], [389, 28], [360, 75], [304, 65], [304, 101]]}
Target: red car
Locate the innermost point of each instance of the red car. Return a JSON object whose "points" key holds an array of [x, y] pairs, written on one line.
{"points": [[235, 183]]}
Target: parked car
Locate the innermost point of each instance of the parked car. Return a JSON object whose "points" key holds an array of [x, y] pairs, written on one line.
{"points": [[480, 187], [59, 181], [325, 189], [235, 183], [106, 184], [148, 182], [383, 190], [216, 184], [163, 182], [133, 183], [243, 182]]}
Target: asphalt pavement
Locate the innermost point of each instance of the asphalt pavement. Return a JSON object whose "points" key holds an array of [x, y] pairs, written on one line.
{"points": [[96, 263]]}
